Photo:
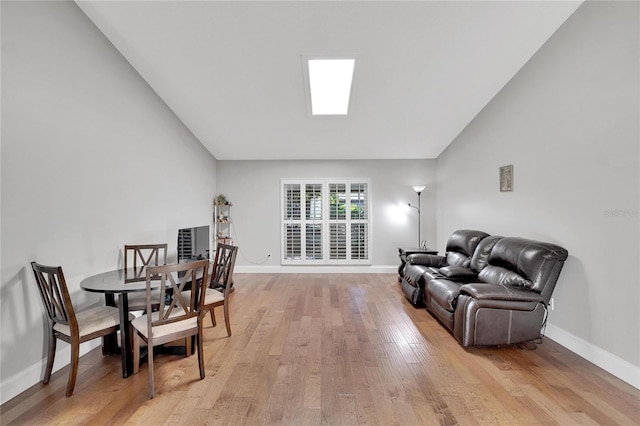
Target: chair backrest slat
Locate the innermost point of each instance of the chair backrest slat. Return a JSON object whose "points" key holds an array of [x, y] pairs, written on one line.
{"points": [[55, 295], [174, 280], [147, 254], [223, 265]]}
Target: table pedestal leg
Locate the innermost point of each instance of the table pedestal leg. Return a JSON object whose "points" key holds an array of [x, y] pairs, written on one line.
{"points": [[125, 336], [110, 342]]}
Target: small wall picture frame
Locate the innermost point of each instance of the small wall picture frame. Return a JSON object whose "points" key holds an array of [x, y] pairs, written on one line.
{"points": [[506, 178]]}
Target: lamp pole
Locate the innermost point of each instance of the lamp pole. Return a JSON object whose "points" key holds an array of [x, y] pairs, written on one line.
{"points": [[418, 189]]}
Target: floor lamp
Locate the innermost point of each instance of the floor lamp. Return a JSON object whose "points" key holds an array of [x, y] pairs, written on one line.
{"points": [[418, 189]]}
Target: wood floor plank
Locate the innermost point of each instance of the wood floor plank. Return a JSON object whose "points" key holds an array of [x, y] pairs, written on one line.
{"points": [[332, 349]]}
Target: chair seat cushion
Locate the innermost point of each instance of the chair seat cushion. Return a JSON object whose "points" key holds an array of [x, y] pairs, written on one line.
{"points": [[211, 296], [92, 320], [140, 324]]}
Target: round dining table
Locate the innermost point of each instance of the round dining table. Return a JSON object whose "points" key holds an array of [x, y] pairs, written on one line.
{"points": [[120, 283]]}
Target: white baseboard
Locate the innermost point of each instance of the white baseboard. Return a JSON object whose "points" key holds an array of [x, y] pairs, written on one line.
{"points": [[330, 269], [15, 385], [609, 362]]}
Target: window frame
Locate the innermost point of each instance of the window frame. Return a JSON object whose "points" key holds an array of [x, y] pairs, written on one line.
{"points": [[325, 222]]}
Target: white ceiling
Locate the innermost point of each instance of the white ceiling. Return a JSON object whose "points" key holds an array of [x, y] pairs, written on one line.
{"points": [[232, 70]]}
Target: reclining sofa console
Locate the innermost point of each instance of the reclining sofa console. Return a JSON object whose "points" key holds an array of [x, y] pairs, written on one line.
{"points": [[487, 290]]}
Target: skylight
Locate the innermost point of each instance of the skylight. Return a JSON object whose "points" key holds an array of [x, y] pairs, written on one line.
{"points": [[330, 85]]}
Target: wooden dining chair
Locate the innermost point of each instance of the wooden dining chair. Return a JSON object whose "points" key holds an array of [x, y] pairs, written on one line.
{"points": [[136, 259], [217, 292], [179, 319], [65, 323]]}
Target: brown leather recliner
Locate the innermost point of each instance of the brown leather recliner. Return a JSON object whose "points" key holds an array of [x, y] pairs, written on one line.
{"points": [[442, 286], [461, 246], [508, 303]]}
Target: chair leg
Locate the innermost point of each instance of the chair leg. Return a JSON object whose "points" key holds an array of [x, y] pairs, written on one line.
{"points": [[226, 317], [188, 349], [50, 357], [73, 368], [136, 352], [152, 391], [213, 316], [200, 351]]}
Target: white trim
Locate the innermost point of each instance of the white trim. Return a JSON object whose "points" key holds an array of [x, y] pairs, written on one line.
{"points": [[24, 379], [609, 362], [316, 269]]}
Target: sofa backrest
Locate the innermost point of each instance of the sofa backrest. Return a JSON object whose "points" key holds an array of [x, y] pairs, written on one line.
{"points": [[461, 245], [527, 263], [480, 257]]}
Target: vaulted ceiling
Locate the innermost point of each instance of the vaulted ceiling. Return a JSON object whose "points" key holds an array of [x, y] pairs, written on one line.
{"points": [[232, 70]]}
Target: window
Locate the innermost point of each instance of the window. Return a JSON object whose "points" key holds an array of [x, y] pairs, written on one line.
{"points": [[325, 221]]}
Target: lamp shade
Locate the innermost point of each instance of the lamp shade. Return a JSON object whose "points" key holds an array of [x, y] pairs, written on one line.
{"points": [[418, 188]]}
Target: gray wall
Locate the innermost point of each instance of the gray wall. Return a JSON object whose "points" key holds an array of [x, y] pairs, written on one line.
{"points": [[254, 189], [568, 122], [91, 159]]}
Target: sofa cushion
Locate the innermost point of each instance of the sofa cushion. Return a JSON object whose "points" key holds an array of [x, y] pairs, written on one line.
{"points": [[458, 273], [535, 261], [458, 259], [426, 259], [461, 245], [500, 292], [444, 293], [480, 257], [499, 275], [465, 241]]}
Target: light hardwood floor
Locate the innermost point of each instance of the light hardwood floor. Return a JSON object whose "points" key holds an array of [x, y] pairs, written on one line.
{"points": [[331, 349]]}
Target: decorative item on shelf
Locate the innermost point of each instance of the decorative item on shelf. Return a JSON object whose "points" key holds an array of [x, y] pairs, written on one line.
{"points": [[220, 200], [222, 220]]}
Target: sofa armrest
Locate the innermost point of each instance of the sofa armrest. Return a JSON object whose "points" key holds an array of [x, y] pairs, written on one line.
{"points": [[427, 260], [489, 291], [458, 273], [414, 274]]}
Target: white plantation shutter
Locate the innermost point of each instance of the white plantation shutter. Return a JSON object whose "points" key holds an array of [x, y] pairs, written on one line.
{"points": [[359, 221], [338, 241], [359, 241], [292, 226], [313, 217], [325, 221], [337, 221]]}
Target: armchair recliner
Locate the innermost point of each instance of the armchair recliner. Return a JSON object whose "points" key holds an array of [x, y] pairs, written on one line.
{"points": [[508, 303], [420, 267]]}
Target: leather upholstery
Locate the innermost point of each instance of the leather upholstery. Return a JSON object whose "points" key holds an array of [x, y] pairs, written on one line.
{"points": [[420, 267], [480, 257], [458, 273], [465, 241], [426, 259], [488, 290], [508, 303], [444, 293], [535, 261]]}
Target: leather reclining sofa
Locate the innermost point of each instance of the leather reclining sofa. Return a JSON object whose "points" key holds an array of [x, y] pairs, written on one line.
{"points": [[486, 289]]}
